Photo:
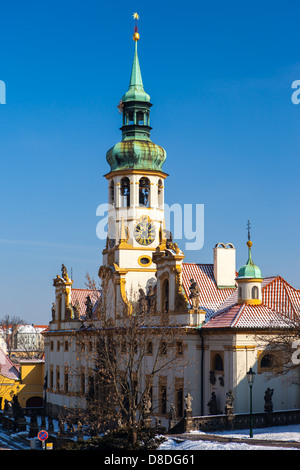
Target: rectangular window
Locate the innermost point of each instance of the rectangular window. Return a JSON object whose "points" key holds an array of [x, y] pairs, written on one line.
{"points": [[162, 395], [82, 382], [149, 348], [163, 348], [66, 378], [179, 397], [179, 348], [57, 379]]}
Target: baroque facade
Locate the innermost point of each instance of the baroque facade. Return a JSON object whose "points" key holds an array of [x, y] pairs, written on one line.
{"points": [[219, 313]]}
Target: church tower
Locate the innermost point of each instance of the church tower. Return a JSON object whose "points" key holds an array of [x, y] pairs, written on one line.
{"points": [[135, 187]]}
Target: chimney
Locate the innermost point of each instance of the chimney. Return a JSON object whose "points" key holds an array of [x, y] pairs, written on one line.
{"points": [[224, 265]]}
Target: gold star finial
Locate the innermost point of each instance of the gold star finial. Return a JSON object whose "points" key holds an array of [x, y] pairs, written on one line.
{"points": [[136, 35]]}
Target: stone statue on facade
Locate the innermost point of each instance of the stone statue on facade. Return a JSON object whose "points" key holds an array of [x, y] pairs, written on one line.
{"points": [[142, 302], [194, 293], [89, 307], [53, 311], [64, 273], [212, 377], [151, 298], [212, 404], [76, 310], [172, 416], [229, 403], [188, 402], [268, 400]]}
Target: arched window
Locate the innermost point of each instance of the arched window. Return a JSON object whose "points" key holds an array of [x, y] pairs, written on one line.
{"points": [[144, 192], [112, 193], [125, 192], [218, 362], [165, 296], [254, 292], [160, 194], [266, 361]]}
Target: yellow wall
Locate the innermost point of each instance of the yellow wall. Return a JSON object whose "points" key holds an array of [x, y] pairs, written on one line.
{"points": [[30, 385], [8, 388], [32, 381]]}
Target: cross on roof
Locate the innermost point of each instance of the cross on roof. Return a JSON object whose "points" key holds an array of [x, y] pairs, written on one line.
{"points": [[248, 228]]}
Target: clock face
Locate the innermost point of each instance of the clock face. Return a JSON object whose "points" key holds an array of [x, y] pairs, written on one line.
{"points": [[144, 232]]}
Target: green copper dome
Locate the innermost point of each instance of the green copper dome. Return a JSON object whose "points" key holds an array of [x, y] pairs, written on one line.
{"points": [[138, 154], [136, 150], [249, 270]]}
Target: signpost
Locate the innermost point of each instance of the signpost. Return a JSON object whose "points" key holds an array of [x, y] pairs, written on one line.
{"points": [[43, 436]]}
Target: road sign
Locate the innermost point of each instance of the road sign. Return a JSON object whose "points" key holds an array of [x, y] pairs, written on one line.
{"points": [[43, 435]]}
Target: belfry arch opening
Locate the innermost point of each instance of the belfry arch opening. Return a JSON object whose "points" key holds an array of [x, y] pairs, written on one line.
{"points": [[160, 193], [125, 192], [112, 193], [144, 192]]}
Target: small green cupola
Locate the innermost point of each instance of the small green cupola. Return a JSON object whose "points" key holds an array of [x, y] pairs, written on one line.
{"points": [[249, 279], [136, 150], [249, 270]]}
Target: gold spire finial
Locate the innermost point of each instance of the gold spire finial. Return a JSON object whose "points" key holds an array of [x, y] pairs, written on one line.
{"points": [[136, 35]]}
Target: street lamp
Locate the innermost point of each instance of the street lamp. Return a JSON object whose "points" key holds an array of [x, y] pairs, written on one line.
{"points": [[250, 378]]}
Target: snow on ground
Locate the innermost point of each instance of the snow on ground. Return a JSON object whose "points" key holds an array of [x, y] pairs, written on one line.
{"points": [[278, 433], [170, 444]]}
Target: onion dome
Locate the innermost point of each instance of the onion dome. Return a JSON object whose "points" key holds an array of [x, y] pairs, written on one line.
{"points": [[136, 150], [249, 270]]}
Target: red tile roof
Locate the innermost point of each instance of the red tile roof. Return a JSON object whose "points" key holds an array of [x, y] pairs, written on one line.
{"points": [[246, 316], [282, 297], [80, 296], [210, 297], [278, 296], [7, 368]]}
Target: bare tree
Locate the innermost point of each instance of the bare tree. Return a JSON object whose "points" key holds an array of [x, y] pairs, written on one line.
{"points": [[9, 326], [282, 345], [124, 359]]}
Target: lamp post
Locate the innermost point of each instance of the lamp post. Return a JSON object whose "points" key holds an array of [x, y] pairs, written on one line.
{"points": [[250, 378]]}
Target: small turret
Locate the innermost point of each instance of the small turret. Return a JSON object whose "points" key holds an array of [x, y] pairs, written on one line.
{"points": [[249, 279]]}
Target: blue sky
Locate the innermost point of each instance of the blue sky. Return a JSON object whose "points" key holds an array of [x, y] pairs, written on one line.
{"points": [[219, 75]]}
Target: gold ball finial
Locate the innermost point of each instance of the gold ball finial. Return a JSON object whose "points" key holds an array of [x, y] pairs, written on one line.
{"points": [[136, 35], [249, 243]]}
